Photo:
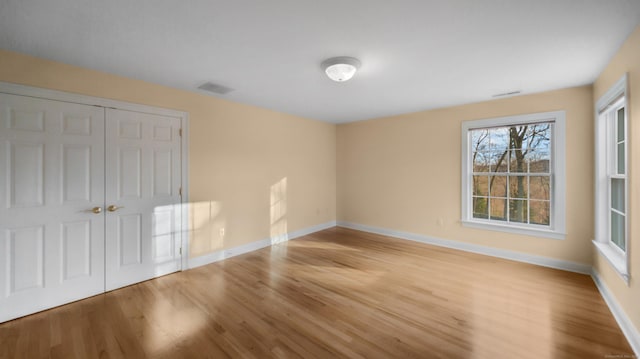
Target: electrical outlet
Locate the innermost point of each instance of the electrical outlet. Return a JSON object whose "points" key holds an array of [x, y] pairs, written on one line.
{"points": [[222, 232]]}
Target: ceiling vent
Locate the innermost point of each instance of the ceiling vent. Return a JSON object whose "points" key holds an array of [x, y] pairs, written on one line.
{"points": [[215, 88], [507, 93]]}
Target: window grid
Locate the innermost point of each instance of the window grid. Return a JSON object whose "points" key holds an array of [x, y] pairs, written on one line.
{"points": [[511, 174], [508, 197], [617, 173]]}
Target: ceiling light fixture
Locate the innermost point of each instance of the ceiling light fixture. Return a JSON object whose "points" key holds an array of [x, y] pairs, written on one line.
{"points": [[341, 68]]}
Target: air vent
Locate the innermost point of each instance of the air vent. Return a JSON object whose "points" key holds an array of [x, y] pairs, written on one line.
{"points": [[507, 94], [215, 88]]}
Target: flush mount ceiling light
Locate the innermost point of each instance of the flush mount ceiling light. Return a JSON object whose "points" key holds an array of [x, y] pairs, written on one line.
{"points": [[341, 68]]}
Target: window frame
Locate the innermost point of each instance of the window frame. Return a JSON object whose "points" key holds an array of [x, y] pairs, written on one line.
{"points": [[556, 228], [605, 169]]}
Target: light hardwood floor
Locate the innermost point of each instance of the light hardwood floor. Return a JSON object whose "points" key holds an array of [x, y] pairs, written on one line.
{"points": [[335, 293]]}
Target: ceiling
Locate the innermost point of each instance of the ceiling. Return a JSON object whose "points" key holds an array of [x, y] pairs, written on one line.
{"points": [[415, 54]]}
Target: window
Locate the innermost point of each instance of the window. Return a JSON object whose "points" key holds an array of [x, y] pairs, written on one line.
{"points": [[611, 177], [513, 174]]}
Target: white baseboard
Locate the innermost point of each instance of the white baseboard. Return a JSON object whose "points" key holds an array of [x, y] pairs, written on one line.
{"points": [[627, 327], [474, 248], [312, 229], [253, 246]]}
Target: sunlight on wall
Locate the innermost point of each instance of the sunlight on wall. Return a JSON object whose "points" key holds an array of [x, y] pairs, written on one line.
{"points": [[166, 233], [206, 227], [279, 212], [278, 231]]}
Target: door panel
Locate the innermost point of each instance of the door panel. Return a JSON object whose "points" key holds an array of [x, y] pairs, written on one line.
{"points": [[129, 242], [26, 169], [76, 249], [25, 257], [162, 173], [51, 175], [76, 174], [142, 181], [129, 171]]}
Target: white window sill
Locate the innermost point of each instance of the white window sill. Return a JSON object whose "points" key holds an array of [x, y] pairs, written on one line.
{"points": [[617, 260], [527, 231]]}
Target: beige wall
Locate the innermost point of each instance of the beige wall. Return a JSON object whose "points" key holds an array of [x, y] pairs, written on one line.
{"points": [[236, 154], [627, 60], [403, 173]]}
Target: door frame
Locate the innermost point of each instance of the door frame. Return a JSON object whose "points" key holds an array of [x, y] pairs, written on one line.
{"points": [[47, 94]]}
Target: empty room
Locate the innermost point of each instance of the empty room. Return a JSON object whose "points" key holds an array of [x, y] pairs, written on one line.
{"points": [[319, 179]]}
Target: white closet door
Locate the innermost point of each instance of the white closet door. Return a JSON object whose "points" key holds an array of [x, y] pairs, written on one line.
{"points": [[142, 184], [51, 176]]}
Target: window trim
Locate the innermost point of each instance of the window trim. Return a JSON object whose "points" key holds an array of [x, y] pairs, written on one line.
{"points": [[618, 259], [556, 230]]}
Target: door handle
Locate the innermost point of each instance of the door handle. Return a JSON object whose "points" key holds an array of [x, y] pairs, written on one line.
{"points": [[113, 208], [96, 210]]}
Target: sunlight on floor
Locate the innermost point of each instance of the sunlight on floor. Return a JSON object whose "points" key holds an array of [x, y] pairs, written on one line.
{"points": [[501, 312], [168, 326], [321, 245], [347, 277]]}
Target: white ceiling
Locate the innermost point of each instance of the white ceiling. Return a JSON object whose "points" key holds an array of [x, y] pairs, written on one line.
{"points": [[416, 54]]}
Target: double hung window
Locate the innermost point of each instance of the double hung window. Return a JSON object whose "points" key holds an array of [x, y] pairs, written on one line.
{"points": [[513, 174], [611, 222]]}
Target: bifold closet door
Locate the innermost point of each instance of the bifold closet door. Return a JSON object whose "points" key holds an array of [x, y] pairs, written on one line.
{"points": [[51, 203], [143, 182]]}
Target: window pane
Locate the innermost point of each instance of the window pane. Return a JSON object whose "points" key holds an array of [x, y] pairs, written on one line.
{"points": [[481, 161], [518, 162], [499, 161], [475, 136], [533, 161], [539, 162], [499, 209], [499, 139], [498, 186], [621, 158], [539, 187], [617, 194], [617, 230], [621, 125], [480, 185], [539, 212], [480, 207], [518, 187], [518, 211], [538, 137], [480, 140]]}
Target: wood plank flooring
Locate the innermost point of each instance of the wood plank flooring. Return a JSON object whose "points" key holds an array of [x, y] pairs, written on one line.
{"points": [[335, 293]]}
